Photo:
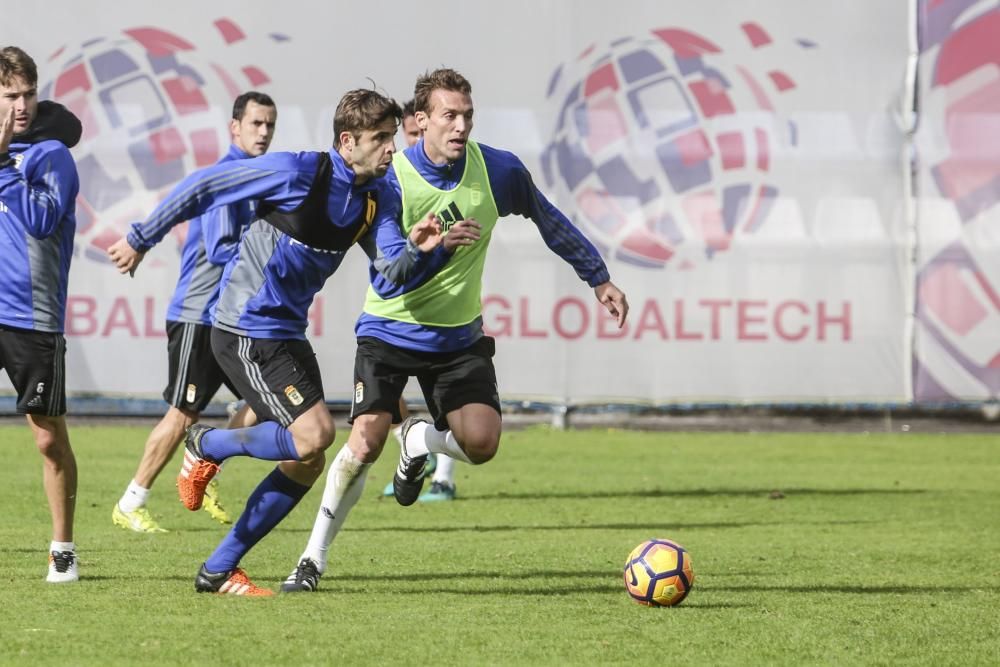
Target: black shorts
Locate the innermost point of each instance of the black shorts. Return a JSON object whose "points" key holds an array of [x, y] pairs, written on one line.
{"points": [[279, 379], [448, 380], [195, 376], [36, 364]]}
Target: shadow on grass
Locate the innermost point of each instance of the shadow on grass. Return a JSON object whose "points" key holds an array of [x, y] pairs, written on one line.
{"points": [[343, 577], [615, 574], [609, 584], [667, 525], [687, 493], [848, 590], [578, 581]]}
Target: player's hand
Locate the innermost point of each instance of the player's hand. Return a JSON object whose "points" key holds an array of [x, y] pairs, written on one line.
{"points": [[125, 257], [426, 234], [6, 130], [614, 300], [463, 232]]}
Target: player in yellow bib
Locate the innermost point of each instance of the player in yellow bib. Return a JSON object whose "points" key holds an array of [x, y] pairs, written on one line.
{"points": [[430, 327]]}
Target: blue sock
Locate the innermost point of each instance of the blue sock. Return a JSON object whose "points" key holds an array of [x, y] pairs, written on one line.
{"points": [[268, 441], [269, 503]]}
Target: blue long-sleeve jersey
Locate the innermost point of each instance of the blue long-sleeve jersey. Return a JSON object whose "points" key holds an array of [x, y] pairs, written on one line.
{"points": [[37, 225], [211, 242], [269, 284], [515, 194]]}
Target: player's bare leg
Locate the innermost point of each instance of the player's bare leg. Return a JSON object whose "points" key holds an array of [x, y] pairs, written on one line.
{"points": [[472, 436], [59, 476], [243, 417], [162, 443]]}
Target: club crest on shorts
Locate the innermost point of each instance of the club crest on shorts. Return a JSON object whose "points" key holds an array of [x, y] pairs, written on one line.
{"points": [[293, 395], [192, 393], [359, 392]]}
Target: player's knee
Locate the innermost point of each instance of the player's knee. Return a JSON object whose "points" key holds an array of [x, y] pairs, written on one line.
{"points": [[368, 435], [481, 449], [314, 438], [180, 419], [52, 446]]}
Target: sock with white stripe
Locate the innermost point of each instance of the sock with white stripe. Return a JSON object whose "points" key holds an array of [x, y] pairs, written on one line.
{"points": [[344, 482], [270, 502], [423, 437], [62, 546], [268, 441], [135, 496]]}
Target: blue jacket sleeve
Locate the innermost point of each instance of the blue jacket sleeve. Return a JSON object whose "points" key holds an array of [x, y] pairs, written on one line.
{"points": [[41, 196], [275, 178], [396, 264], [515, 193], [221, 230]]}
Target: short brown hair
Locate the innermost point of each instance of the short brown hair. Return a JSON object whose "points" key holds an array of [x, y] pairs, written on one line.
{"points": [[16, 63], [243, 101], [361, 110], [439, 79]]}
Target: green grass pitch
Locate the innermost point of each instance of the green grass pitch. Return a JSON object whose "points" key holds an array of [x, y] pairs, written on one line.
{"points": [[879, 549]]}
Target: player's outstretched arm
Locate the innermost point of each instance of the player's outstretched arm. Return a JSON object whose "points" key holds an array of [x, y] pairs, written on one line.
{"points": [[614, 300], [124, 256]]}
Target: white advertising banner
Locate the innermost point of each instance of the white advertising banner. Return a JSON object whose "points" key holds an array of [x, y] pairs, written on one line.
{"points": [[740, 166], [957, 334]]}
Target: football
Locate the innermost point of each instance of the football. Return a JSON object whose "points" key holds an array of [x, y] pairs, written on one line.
{"points": [[658, 573]]}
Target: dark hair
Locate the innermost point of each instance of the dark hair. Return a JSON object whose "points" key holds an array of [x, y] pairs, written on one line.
{"points": [[439, 79], [240, 105], [16, 63], [409, 110], [361, 110]]}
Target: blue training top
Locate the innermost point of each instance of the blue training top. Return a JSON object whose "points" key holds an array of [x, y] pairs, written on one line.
{"points": [[211, 242], [269, 284], [37, 225]]}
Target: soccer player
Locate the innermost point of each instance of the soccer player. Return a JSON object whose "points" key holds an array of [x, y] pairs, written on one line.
{"points": [[408, 126], [442, 486], [433, 328], [312, 207], [38, 188], [194, 375]]}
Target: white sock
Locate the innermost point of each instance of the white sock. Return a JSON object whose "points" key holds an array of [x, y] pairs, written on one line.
{"points": [[62, 546], [423, 438], [445, 471], [397, 431], [344, 482], [135, 496]]}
